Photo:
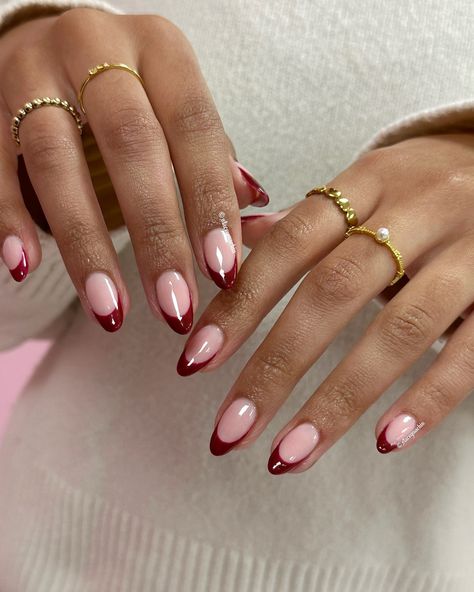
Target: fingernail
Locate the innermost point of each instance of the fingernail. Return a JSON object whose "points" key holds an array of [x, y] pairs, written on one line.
{"points": [[395, 433], [294, 448], [234, 424], [175, 303], [200, 350], [221, 259], [15, 258], [273, 216], [104, 300], [260, 196]]}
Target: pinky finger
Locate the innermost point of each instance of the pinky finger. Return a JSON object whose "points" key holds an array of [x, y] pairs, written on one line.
{"points": [[447, 383], [19, 244]]}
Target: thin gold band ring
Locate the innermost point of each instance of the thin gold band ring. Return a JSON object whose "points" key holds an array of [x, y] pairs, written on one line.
{"points": [[93, 72], [382, 237]]}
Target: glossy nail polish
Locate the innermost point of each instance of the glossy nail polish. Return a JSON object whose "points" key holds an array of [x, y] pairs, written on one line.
{"points": [[175, 303], [293, 448], [221, 259], [104, 301], [14, 256], [200, 350], [395, 433], [234, 424], [260, 198]]}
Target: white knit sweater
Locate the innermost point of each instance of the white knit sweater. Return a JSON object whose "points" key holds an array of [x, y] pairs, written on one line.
{"points": [[106, 482]]}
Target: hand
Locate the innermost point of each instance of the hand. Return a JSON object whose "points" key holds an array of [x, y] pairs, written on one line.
{"points": [[421, 190], [141, 133]]}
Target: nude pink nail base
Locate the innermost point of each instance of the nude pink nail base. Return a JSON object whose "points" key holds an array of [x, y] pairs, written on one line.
{"points": [[395, 433], [200, 350], [295, 447], [104, 301], [174, 299], [233, 426], [15, 258], [220, 256]]}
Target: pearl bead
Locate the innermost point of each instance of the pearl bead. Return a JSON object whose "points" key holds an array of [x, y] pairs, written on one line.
{"points": [[383, 234]]}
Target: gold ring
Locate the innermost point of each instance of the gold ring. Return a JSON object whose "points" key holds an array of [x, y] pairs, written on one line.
{"points": [[382, 237], [93, 72], [342, 202], [42, 102]]}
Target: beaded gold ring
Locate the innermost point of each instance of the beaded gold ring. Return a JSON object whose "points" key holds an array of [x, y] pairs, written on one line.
{"points": [[43, 102], [93, 72], [340, 200], [382, 237]]}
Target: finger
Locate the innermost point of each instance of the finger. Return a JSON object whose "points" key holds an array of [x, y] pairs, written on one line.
{"points": [[402, 332], [292, 246], [255, 226], [54, 159], [20, 247], [199, 151], [447, 383]]}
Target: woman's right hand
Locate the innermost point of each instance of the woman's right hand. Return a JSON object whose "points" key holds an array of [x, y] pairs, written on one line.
{"points": [[142, 133]]}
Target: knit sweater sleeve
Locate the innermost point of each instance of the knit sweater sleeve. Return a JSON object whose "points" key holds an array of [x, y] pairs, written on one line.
{"points": [[28, 309], [450, 118]]}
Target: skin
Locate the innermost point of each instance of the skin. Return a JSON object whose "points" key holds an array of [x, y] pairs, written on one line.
{"points": [[421, 189], [140, 133]]}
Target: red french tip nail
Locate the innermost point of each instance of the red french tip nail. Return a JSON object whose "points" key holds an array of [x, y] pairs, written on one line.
{"points": [[276, 465], [186, 367], [261, 197], [383, 445], [180, 325], [251, 217], [21, 271], [113, 321], [218, 447], [224, 280]]}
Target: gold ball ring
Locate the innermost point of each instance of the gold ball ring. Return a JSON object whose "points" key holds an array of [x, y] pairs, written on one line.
{"points": [[43, 102], [93, 72], [382, 237], [342, 202]]}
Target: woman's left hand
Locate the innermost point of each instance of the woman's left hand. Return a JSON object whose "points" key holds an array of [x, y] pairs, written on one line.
{"points": [[422, 190]]}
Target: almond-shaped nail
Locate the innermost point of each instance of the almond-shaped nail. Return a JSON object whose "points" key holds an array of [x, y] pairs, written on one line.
{"points": [[260, 196], [175, 303], [293, 448], [234, 424], [104, 301], [396, 433], [200, 350], [14, 256], [221, 259]]}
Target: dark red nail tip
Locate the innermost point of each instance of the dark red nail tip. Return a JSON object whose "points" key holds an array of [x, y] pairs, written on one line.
{"points": [[261, 198], [21, 271], [218, 447], [180, 325], [187, 367], [113, 321], [276, 465], [224, 280], [383, 445]]}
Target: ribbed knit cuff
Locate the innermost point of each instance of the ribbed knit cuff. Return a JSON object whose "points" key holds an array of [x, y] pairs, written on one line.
{"points": [[452, 118]]}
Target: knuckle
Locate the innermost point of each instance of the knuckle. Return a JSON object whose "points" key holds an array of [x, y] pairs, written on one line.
{"points": [[465, 357], [210, 193], [132, 131], [81, 241], [52, 153], [22, 61], [438, 397], [196, 115], [75, 18], [341, 402], [336, 281], [161, 239], [406, 326], [273, 366], [293, 232]]}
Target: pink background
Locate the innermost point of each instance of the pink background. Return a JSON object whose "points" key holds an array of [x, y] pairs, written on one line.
{"points": [[16, 367]]}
